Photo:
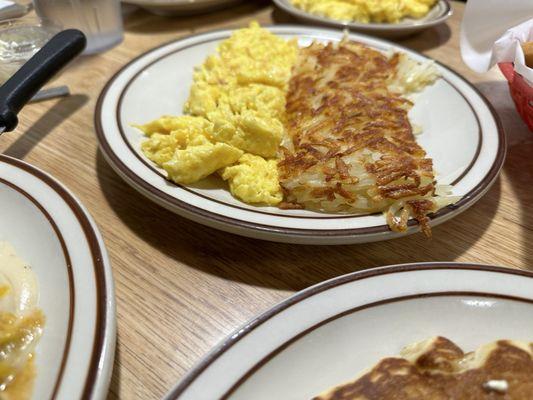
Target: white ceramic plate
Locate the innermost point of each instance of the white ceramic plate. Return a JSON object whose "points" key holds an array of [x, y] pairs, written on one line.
{"points": [[461, 134], [53, 232], [437, 15], [327, 334], [181, 7]]}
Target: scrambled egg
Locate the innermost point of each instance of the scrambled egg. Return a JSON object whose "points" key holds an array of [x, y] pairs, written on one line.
{"points": [[254, 180], [367, 10], [241, 90], [236, 113], [183, 146]]}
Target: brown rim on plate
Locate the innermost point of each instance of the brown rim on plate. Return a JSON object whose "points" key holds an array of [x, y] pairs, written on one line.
{"points": [[248, 327], [71, 288], [447, 12], [207, 216], [185, 4], [101, 326], [257, 366]]}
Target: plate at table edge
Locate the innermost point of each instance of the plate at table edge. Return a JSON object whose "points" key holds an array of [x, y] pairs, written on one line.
{"points": [[266, 223], [437, 15], [182, 7], [294, 326], [78, 261]]}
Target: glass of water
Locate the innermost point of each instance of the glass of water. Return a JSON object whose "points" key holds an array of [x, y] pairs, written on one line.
{"points": [[99, 20], [20, 39]]}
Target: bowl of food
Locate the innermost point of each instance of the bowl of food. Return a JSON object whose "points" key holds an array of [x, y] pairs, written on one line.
{"points": [[386, 18]]}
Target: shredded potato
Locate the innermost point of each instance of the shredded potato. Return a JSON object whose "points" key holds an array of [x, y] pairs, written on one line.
{"points": [[349, 145]]}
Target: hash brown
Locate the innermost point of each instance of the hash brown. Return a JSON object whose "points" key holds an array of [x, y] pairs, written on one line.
{"points": [[349, 145]]}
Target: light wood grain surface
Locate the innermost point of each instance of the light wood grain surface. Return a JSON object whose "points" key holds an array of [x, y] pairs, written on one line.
{"points": [[182, 287]]}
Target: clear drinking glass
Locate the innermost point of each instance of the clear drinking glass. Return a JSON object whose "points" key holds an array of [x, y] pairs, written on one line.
{"points": [[20, 39], [99, 20]]}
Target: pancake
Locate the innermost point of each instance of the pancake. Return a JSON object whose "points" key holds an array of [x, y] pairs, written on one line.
{"points": [[437, 369], [349, 146]]}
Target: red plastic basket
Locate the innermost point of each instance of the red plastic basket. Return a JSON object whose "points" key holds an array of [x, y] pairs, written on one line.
{"points": [[521, 92]]}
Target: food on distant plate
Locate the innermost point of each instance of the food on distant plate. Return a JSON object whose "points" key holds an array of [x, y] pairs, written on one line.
{"points": [[528, 53], [391, 11], [324, 127], [21, 324], [438, 369]]}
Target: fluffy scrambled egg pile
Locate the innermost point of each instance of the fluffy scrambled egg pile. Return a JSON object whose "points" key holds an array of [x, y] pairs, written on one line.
{"points": [[367, 10], [235, 121]]}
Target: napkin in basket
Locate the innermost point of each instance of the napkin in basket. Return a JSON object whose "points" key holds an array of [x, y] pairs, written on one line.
{"points": [[492, 33]]}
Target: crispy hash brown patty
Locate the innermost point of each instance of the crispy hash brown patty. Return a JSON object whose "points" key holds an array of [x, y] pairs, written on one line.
{"points": [[349, 146]]}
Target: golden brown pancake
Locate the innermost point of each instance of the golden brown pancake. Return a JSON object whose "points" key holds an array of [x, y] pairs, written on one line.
{"points": [[437, 369]]}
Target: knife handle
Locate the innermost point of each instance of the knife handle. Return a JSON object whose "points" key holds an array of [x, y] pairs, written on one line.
{"points": [[34, 74]]}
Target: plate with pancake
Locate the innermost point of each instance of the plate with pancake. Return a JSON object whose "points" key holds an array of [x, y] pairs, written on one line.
{"points": [[57, 306], [300, 135], [412, 331], [386, 25]]}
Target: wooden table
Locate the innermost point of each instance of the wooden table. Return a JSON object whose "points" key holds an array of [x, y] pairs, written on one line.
{"points": [[182, 287]]}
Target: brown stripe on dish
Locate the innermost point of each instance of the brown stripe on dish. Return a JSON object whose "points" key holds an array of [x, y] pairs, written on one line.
{"points": [[369, 27], [477, 191], [306, 293], [72, 292], [307, 331], [99, 272]]}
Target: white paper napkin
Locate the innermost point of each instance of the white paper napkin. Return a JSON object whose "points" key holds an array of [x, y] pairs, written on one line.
{"points": [[491, 32]]}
